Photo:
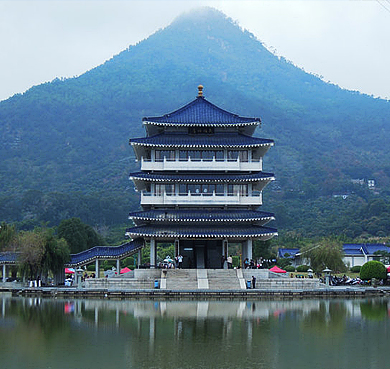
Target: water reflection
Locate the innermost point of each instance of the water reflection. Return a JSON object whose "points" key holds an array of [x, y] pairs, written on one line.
{"points": [[47, 333]]}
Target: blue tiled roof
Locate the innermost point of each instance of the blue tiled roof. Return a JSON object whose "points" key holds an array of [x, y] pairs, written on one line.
{"points": [[204, 177], [8, 257], [364, 248], [105, 252], [201, 215], [215, 140], [292, 252], [197, 231], [201, 112], [372, 248], [102, 252]]}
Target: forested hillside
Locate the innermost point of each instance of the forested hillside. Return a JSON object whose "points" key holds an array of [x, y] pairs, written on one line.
{"points": [[65, 146]]}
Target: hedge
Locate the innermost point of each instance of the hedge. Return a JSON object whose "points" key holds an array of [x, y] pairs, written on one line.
{"points": [[373, 269]]}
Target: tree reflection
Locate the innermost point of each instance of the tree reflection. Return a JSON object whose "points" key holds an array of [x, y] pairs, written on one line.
{"points": [[374, 309], [327, 320]]}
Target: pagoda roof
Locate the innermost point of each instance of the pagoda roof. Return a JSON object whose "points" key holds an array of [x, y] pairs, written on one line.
{"points": [[201, 177], [201, 112], [196, 231], [203, 140], [204, 215]]}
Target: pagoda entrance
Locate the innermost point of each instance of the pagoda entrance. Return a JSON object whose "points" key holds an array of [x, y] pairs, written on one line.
{"points": [[201, 254]]}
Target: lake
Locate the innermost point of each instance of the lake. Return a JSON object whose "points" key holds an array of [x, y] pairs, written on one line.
{"points": [[314, 333]]}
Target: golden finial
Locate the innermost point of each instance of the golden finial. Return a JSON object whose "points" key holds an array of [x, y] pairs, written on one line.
{"points": [[200, 91]]}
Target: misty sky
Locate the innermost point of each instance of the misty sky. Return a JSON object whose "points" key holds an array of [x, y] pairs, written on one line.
{"points": [[345, 41]]}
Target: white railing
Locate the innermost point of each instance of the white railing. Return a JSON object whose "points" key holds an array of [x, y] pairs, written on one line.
{"points": [[202, 164], [189, 198]]}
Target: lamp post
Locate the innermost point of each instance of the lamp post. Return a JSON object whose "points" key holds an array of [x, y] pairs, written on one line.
{"points": [[310, 273], [327, 271], [79, 273]]}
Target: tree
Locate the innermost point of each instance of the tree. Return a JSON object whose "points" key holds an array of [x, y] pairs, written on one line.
{"points": [[41, 252], [56, 254], [78, 235], [7, 236], [327, 253], [31, 245]]}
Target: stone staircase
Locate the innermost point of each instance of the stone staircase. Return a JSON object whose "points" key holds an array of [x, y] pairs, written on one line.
{"points": [[225, 279], [200, 279], [179, 279]]}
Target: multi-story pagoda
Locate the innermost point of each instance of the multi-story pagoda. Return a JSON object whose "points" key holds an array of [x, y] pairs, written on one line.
{"points": [[201, 184]]}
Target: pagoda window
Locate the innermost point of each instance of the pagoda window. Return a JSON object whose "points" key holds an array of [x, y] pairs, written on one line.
{"points": [[243, 155], [219, 189], [183, 155], [169, 189], [183, 190], [219, 155], [195, 189], [237, 189], [208, 155], [232, 155], [167, 154], [195, 154], [208, 189], [159, 189]]}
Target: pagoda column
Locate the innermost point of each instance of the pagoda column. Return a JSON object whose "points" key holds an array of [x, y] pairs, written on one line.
{"points": [[177, 247], [152, 253], [139, 258], [247, 250], [4, 273], [225, 254], [97, 268]]}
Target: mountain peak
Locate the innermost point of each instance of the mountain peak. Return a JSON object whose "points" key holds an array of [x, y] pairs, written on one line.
{"points": [[200, 15]]}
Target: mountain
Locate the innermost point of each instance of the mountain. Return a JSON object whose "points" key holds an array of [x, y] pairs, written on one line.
{"points": [[71, 136]]}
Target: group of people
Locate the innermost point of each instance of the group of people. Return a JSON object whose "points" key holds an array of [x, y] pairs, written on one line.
{"points": [[168, 263], [252, 264]]}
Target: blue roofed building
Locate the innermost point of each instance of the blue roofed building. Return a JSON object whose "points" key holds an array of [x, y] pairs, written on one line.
{"points": [[360, 253], [201, 184]]}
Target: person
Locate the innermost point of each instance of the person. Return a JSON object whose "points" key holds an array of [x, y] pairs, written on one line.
{"points": [[246, 263], [180, 260], [230, 262], [253, 282]]}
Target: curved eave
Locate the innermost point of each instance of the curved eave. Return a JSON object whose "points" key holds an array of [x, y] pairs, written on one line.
{"points": [[201, 179], [189, 220], [185, 232], [263, 144], [181, 124]]}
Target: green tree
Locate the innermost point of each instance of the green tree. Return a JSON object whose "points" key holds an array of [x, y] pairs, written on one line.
{"points": [[56, 253], [78, 235], [41, 253], [31, 247], [327, 253], [7, 236]]}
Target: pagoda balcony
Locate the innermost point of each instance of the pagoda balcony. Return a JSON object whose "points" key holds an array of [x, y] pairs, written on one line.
{"points": [[201, 164], [148, 198]]}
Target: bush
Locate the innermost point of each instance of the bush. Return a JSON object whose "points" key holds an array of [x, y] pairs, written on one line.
{"points": [[356, 269], [303, 268], [289, 268], [373, 269], [283, 263], [91, 267]]}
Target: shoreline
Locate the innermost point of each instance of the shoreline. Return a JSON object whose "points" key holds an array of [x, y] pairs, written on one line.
{"points": [[104, 293]]}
